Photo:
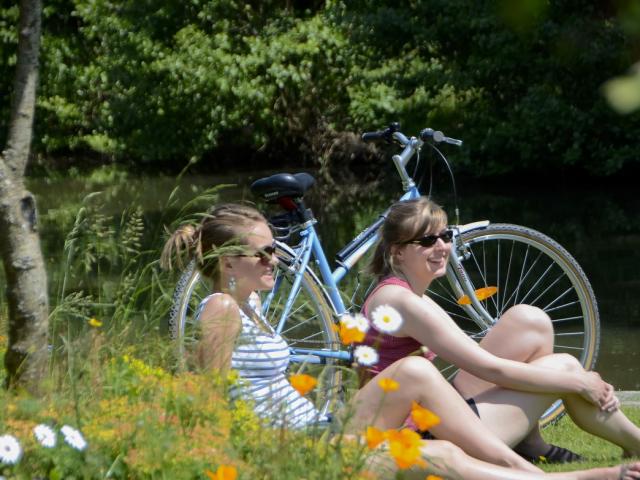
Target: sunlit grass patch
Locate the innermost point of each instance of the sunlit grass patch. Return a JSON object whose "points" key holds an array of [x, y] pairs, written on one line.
{"points": [[597, 452]]}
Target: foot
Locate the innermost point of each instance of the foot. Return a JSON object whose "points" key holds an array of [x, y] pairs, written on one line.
{"points": [[554, 454], [630, 471]]}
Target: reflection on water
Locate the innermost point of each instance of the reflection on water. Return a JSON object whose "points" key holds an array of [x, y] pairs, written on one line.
{"points": [[597, 224], [619, 360]]}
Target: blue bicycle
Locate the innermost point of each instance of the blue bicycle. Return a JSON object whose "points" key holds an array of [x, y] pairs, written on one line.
{"points": [[492, 267]]}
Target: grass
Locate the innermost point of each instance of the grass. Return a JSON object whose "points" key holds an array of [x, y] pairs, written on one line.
{"points": [[598, 452]]}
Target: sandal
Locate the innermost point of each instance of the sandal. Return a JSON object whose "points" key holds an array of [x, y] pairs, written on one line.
{"points": [[555, 454]]}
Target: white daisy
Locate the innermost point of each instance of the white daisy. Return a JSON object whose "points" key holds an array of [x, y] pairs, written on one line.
{"points": [[10, 450], [73, 437], [365, 355], [45, 435], [361, 322], [347, 320], [386, 319]]}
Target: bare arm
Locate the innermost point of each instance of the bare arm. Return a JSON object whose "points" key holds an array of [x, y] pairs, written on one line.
{"points": [[221, 325], [425, 321]]}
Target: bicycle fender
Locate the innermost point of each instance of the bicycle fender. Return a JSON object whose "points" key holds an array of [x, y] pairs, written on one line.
{"points": [[467, 227]]}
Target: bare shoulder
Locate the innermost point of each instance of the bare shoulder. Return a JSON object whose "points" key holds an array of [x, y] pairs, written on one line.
{"points": [[395, 296], [221, 308], [409, 305]]}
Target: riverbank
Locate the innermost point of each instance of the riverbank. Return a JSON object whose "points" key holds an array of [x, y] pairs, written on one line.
{"points": [[629, 398]]}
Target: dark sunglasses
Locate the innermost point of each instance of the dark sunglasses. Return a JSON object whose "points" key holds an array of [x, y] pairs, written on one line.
{"points": [[430, 240], [264, 254]]}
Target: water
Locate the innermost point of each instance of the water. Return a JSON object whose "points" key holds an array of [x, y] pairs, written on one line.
{"points": [[597, 223]]}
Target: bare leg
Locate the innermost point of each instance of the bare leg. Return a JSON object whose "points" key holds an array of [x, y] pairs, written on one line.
{"points": [[612, 426], [509, 414], [448, 461], [524, 333], [420, 381]]}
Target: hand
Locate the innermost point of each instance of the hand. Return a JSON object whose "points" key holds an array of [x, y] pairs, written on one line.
{"points": [[612, 404], [597, 391]]}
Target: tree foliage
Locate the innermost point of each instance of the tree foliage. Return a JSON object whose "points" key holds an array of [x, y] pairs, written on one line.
{"points": [[170, 81]]}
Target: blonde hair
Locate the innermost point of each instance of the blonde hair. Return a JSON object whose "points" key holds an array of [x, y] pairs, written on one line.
{"points": [[406, 221], [220, 228]]}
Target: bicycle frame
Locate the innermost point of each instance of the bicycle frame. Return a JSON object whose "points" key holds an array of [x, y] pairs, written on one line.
{"points": [[310, 246]]}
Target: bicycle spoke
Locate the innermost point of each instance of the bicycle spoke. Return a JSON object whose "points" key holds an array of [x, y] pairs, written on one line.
{"points": [[558, 298], [450, 299], [569, 348], [298, 325], [566, 319], [535, 285], [551, 285], [565, 305]]}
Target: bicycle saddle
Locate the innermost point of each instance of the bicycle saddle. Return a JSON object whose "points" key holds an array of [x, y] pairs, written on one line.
{"points": [[281, 185]]}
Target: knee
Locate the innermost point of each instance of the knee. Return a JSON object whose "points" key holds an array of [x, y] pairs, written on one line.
{"points": [[444, 455], [530, 318], [416, 370], [566, 362]]}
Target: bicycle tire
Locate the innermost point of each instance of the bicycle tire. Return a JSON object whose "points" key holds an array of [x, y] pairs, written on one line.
{"points": [[544, 274], [309, 324]]}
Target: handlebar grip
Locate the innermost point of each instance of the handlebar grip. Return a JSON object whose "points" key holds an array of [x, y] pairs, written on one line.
{"points": [[386, 134], [437, 136], [373, 136], [453, 141]]}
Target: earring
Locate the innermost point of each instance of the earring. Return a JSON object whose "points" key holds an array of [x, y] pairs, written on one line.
{"points": [[232, 285]]}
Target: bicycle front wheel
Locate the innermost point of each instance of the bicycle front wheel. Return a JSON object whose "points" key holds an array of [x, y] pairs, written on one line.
{"points": [[527, 267], [307, 327]]}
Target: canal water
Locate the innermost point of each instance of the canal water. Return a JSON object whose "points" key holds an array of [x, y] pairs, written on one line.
{"points": [[597, 222]]}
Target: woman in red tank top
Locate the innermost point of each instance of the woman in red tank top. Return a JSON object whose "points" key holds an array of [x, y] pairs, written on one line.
{"points": [[512, 374]]}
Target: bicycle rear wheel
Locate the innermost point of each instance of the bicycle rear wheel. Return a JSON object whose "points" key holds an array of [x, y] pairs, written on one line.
{"points": [[527, 267], [308, 325]]}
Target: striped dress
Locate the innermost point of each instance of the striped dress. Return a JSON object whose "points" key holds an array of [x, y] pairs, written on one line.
{"points": [[261, 360]]}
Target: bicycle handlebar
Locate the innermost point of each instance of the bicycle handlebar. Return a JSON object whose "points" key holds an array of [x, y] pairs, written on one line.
{"points": [[438, 137], [392, 132]]}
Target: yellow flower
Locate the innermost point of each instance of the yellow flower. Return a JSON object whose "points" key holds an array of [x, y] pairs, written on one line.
{"points": [[303, 383], [94, 322], [423, 418], [388, 385], [404, 447], [224, 472], [433, 477], [374, 437], [350, 334]]}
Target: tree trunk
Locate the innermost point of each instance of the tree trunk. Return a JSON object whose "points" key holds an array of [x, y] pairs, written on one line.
{"points": [[26, 357]]}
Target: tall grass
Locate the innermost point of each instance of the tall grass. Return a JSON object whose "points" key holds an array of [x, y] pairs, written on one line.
{"points": [[111, 373]]}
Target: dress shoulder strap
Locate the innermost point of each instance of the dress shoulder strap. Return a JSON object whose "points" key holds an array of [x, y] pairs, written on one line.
{"points": [[390, 280]]}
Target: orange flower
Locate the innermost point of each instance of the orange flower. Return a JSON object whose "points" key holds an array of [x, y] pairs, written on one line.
{"points": [[349, 335], [404, 447], [374, 437], [423, 418], [433, 477], [388, 385], [303, 383], [224, 472], [481, 294]]}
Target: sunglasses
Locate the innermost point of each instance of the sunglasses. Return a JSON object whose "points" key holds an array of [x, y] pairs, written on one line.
{"points": [[430, 240], [265, 254]]}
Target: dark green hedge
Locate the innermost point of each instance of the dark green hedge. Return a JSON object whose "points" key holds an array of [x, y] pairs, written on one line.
{"points": [[158, 82]]}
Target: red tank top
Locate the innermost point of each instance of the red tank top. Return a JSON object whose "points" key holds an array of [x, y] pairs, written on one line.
{"points": [[390, 348]]}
